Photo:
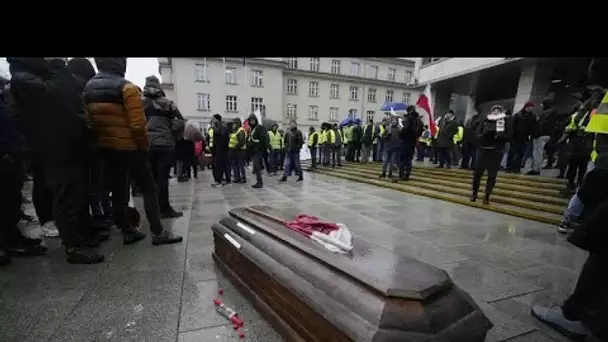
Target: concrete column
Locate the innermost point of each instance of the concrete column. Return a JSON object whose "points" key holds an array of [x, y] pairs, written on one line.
{"points": [[441, 102], [534, 82], [471, 97]]}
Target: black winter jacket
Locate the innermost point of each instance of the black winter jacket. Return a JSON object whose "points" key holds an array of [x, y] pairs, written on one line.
{"points": [[523, 126], [412, 130], [293, 140], [445, 137], [489, 138], [165, 122], [50, 108]]}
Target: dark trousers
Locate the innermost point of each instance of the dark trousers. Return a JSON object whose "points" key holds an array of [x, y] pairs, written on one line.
{"points": [[563, 157], [336, 152], [435, 152], [375, 156], [257, 161], [405, 161], [577, 167], [11, 180], [69, 183], [160, 165], [99, 199], [517, 153], [313, 157], [589, 301], [350, 151], [445, 156], [486, 160], [281, 160], [327, 151], [122, 165], [237, 161], [292, 161], [469, 149], [421, 151], [274, 161], [221, 166], [357, 155], [42, 196]]}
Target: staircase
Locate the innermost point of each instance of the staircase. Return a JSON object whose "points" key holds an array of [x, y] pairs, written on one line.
{"points": [[532, 197]]}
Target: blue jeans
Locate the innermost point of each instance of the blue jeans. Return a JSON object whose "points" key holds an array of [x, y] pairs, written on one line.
{"points": [[538, 148], [505, 155], [389, 158], [275, 160], [292, 157], [237, 160], [575, 206]]}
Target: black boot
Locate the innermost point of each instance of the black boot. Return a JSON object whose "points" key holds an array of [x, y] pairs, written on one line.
{"points": [[283, 179], [486, 199], [165, 238], [80, 255], [132, 237], [382, 175], [257, 186], [171, 213], [473, 197], [300, 179]]}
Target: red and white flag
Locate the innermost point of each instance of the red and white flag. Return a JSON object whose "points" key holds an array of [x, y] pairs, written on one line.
{"points": [[425, 107]]}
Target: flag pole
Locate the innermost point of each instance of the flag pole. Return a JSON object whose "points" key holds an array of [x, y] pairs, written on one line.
{"points": [[246, 81], [225, 89]]}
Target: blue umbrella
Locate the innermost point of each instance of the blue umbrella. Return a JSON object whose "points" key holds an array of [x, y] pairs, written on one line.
{"points": [[396, 106]]}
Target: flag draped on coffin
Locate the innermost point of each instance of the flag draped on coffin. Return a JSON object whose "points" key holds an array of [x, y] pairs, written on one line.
{"points": [[425, 109]]}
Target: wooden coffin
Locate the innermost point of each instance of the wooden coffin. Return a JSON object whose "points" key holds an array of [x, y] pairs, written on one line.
{"points": [[311, 294]]}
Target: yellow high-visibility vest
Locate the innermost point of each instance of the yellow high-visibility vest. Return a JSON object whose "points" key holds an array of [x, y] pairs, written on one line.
{"points": [[311, 138], [331, 136], [210, 132], [234, 139], [459, 135], [322, 137], [276, 141], [599, 119]]}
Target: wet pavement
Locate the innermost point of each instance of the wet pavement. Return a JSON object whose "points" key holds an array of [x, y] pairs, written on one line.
{"points": [[146, 293]]}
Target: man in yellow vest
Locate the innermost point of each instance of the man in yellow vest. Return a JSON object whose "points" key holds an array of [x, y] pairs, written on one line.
{"points": [[350, 143], [423, 143], [237, 144], [276, 148], [379, 140], [313, 141], [329, 144], [322, 143]]}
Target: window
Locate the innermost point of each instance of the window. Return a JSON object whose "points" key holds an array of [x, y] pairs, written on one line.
{"points": [[354, 69], [257, 79], [371, 95], [333, 114], [406, 97], [313, 113], [391, 74], [292, 87], [257, 103], [354, 92], [292, 110], [369, 115], [230, 75], [314, 63], [389, 96], [335, 66], [334, 91], [408, 77], [374, 71], [201, 72], [292, 62], [231, 104], [313, 89], [203, 102], [352, 113]]}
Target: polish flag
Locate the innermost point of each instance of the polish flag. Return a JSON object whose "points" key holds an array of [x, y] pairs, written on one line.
{"points": [[425, 107]]}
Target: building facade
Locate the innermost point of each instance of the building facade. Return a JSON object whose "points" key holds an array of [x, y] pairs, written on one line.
{"points": [[470, 85], [310, 90]]}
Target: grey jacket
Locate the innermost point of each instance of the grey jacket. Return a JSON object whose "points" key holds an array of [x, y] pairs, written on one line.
{"points": [[165, 123]]}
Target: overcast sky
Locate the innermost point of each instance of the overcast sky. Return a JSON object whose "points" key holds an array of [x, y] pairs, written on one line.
{"points": [[137, 69]]}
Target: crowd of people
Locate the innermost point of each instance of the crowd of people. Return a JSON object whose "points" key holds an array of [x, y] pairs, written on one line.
{"points": [[87, 136]]}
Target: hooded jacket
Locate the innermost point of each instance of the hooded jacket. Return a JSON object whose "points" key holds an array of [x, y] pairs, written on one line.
{"points": [[445, 137], [49, 107], [83, 71], [412, 129], [489, 136], [293, 140], [165, 122], [258, 137], [523, 125], [115, 108]]}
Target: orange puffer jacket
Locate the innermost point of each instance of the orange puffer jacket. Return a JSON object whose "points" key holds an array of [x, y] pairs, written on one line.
{"points": [[115, 111]]}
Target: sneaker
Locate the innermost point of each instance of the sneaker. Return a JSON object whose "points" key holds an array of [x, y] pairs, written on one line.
{"points": [[554, 317], [166, 238], [171, 214], [49, 229], [132, 237], [566, 227], [217, 185], [82, 256]]}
